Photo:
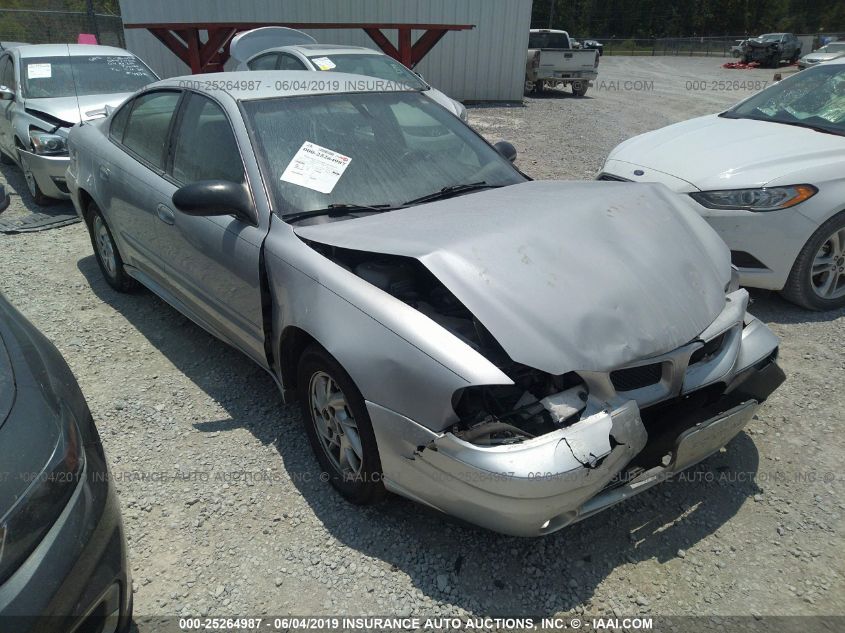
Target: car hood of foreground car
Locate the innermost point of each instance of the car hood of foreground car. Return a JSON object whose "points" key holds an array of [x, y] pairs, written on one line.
{"points": [[565, 275], [714, 152], [72, 110]]}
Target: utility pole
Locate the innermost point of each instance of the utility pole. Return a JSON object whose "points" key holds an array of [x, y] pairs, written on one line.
{"points": [[551, 12], [92, 19]]}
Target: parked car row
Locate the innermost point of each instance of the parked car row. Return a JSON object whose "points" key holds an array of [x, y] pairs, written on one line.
{"points": [[283, 221]]}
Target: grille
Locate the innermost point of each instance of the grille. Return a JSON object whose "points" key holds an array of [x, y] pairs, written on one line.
{"points": [[611, 178], [636, 377], [710, 349]]}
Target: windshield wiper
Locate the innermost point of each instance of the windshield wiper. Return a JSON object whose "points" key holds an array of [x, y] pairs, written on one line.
{"points": [[336, 210], [453, 190]]}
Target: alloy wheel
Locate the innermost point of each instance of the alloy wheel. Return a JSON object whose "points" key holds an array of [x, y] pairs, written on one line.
{"points": [[827, 276], [105, 246], [336, 427]]}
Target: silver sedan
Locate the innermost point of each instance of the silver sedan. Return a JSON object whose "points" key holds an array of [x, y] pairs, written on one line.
{"points": [[519, 354]]}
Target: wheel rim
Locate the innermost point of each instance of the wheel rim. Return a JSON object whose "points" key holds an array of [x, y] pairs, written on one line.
{"points": [[29, 178], [827, 277], [529, 86], [105, 247], [335, 425]]}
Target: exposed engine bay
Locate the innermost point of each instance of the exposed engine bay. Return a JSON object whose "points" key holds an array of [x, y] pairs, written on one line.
{"points": [[537, 403]]}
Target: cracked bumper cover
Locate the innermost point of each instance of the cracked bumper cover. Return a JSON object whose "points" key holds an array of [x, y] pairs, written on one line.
{"points": [[546, 483], [49, 173]]}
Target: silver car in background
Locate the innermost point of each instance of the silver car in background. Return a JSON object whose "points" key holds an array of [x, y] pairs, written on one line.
{"points": [[45, 89], [519, 354], [300, 51], [833, 50]]}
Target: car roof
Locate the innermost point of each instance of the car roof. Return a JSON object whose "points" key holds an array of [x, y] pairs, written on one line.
{"points": [[241, 85], [310, 50], [73, 50], [547, 31]]}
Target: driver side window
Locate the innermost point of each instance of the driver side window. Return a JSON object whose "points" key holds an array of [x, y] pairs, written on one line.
{"points": [[7, 72], [205, 147]]}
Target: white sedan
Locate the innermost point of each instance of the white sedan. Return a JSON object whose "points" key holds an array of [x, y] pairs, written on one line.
{"points": [[769, 176]]}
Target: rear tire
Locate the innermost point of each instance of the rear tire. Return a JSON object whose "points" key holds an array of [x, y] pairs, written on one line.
{"points": [[579, 88], [105, 250], [817, 279], [339, 428]]}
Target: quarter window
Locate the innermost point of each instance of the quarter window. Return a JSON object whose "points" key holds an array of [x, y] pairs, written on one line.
{"points": [[205, 145], [147, 126], [263, 62], [118, 123], [289, 62]]}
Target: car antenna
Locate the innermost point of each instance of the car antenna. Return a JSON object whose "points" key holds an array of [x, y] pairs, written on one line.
{"points": [[73, 79]]}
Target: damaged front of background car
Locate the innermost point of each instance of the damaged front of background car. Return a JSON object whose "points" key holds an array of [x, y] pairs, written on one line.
{"points": [[576, 373]]}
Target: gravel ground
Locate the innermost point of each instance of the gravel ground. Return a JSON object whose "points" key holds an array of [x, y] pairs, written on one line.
{"points": [[225, 513]]}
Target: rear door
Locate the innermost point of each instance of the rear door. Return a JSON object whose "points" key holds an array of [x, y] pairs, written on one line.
{"points": [[129, 177], [214, 262]]}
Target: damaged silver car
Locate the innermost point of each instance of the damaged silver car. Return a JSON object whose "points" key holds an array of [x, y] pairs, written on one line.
{"points": [[45, 89], [519, 354]]}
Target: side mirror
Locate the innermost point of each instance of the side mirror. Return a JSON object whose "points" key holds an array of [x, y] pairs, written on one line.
{"points": [[506, 149], [6, 94], [215, 197]]}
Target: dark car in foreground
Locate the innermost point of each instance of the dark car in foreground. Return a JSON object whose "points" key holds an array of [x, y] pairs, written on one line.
{"points": [[62, 549]]}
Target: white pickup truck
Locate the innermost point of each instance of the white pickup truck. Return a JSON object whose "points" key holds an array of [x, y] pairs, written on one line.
{"points": [[552, 61]]}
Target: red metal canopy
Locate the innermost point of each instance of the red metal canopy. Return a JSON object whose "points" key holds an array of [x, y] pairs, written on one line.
{"points": [[183, 39]]}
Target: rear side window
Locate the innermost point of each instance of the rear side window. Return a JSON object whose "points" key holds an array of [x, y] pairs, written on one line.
{"points": [[263, 62], [205, 145], [147, 126], [118, 123], [289, 62]]}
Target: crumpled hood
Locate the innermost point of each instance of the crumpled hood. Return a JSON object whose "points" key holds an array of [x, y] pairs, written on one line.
{"points": [[566, 275], [70, 110], [712, 152], [758, 43]]}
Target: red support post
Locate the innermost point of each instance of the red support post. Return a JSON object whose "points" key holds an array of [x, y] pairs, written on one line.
{"points": [[405, 46], [423, 46], [382, 42]]}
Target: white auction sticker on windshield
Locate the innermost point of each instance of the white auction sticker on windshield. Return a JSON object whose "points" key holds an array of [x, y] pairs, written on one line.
{"points": [[316, 168], [38, 71], [324, 63]]}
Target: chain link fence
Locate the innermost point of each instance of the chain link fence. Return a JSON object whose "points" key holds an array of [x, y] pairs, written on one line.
{"points": [[688, 46], [33, 26]]}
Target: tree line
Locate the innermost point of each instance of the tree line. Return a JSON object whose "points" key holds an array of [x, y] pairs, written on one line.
{"points": [[688, 18]]}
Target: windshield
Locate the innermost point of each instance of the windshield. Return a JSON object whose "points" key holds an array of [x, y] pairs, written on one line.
{"points": [[813, 98], [367, 149], [375, 65], [548, 40], [82, 75], [770, 37]]}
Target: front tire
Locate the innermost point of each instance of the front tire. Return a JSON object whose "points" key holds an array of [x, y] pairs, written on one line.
{"points": [[339, 428], [817, 279], [38, 196], [105, 250]]}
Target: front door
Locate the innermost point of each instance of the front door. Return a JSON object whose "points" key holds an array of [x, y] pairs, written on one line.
{"points": [[213, 262]]}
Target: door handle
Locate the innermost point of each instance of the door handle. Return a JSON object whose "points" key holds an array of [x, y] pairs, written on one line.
{"points": [[165, 214], [105, 172]]}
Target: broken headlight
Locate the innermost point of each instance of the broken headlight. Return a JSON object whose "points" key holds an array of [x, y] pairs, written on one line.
{"points": [[536, 404], [763, 199], [47, 144]]}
